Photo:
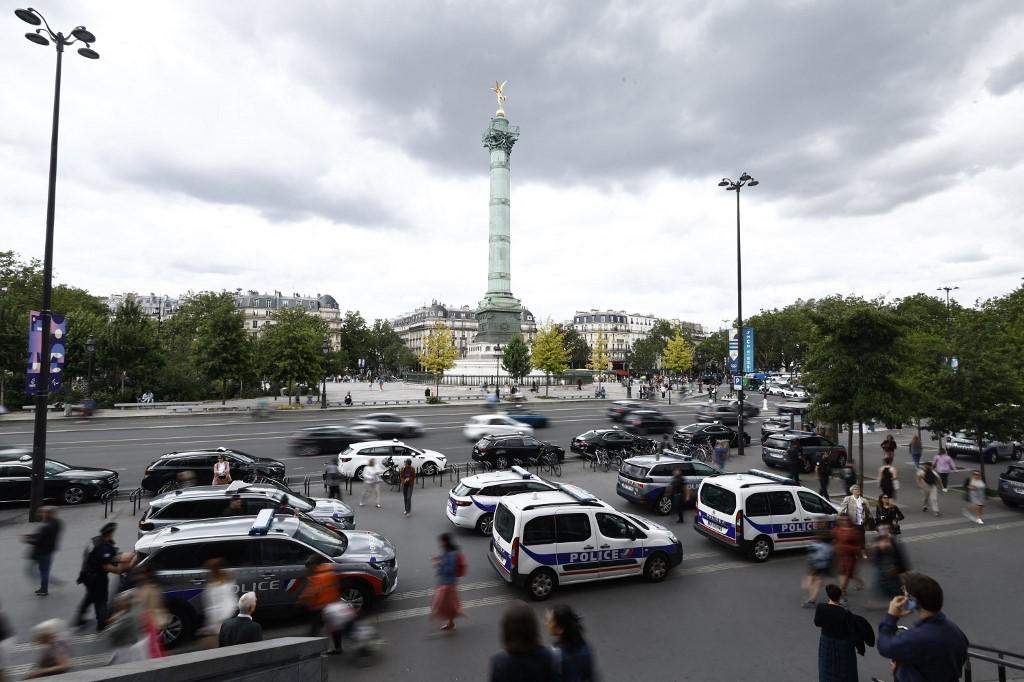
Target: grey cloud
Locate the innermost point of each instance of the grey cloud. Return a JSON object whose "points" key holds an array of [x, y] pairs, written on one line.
{"points": [[198, 267], [805, 95], [967, 255], [1007, 77]]}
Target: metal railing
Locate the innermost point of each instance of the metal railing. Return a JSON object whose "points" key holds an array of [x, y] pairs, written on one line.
{"points": [[999, 660], [135, 497], [107, 499]]}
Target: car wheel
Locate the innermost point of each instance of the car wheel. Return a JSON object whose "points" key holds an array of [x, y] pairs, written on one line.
{"points": [[179, 625], [308, 451], [664, 505], [409, 432], [428, 469], [541, 584], [74, 494], [485, 524], [359, 473], [501, 462], [357, 595], [808, 466], [656, 568], [992, 457], [761, 549]]}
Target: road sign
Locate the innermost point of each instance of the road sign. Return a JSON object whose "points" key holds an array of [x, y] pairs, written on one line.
{"points": [[748, 349], [737, 382]]}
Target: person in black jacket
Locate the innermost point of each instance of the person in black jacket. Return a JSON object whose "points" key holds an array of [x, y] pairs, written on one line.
{"points": [[837, 659], [241, 629], [524, 659], [44, 543], [100, 560]]}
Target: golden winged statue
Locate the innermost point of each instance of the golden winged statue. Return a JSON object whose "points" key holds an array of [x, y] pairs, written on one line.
{"points": [[499, 93]]}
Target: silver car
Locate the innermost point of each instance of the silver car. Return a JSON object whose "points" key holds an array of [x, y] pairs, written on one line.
{"points": [[211, 502], [265, 554], [389, 425]]}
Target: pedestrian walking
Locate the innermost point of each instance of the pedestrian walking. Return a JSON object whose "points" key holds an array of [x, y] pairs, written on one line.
{"points": [[929, 484], [888, 514], [680, 493], [890, 563], [819, 566], [6, 639], [348, 398], [848, 545], [219, 602], [55, 656], [888, 449], [43, 543], [124, 632], [837, 657], [823, 469], [915, 450], [574, 658], [976, 492], [888, 480], [221, 471], [322, 588], [720, 453], [241, 629], [944, 466], [332, 479], [934, 648], [100, 559], [407, 477], [858, 509], [371, 482], [450, 566], [152, 614], [523, 658], [795, 459]]}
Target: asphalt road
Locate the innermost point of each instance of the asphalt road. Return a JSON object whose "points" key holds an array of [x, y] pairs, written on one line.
{"points": [[718, 617]]}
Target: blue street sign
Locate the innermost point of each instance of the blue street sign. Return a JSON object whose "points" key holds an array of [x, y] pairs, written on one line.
{"points": [[737, 382], [748, 349]]}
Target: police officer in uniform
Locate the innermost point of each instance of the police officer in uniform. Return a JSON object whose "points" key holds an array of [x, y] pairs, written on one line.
{"points": [[100, 560], [795, 459], [680, 493]]}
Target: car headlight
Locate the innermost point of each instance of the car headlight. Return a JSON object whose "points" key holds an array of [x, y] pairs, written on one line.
{"points": [[672, 537], [95, 481]]}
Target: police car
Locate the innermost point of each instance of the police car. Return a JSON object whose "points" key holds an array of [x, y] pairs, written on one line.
{"points": [[266, 555], [546, 539], [646, 479], [471, 503], [759, 512]]}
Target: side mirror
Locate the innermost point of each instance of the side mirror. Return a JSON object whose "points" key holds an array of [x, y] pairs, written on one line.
{"points": [[631, 532]]}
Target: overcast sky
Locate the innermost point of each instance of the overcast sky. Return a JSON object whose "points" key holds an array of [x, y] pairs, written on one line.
{"points": [[334, 147]]}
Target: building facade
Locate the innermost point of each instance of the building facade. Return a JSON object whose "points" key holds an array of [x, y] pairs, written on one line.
{"points": [[414, 326], [158, 306], [622, 330], [258, 310]]}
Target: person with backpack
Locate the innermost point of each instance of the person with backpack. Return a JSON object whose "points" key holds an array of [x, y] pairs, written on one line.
{"points": [[100, 559], [450, 566], [837, 656], [888, 480], [929, 483]]}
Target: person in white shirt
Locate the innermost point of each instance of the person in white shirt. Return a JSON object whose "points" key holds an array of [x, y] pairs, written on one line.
{"points": [[371, 482]]}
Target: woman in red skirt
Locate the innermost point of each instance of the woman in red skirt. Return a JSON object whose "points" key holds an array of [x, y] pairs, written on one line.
{"points": [[848, 546], [450, 566]]}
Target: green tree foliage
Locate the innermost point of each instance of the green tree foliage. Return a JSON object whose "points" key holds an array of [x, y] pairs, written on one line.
{"points": [[709, 353], [290, 350], [220, 346], [576, 348], [355, 339], [515, 358], [386, 349], [549, 354], [783, 337], [439, 353], [678, 354], [129, 352], [599, 359], [644, 355]]}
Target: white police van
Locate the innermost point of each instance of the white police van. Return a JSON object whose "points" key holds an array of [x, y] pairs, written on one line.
{"points": [[471, 503], [759, 512], [546, 539]]}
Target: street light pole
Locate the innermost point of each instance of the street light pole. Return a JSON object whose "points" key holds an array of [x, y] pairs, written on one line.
{"points": [[735, 186], [323, 392], [90, 350], [497, 364], [947, 289], [43, 36]]}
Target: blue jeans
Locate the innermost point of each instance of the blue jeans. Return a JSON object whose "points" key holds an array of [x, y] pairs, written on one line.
{"points": [[45, 561]]}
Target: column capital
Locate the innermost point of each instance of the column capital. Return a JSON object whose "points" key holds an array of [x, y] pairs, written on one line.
{"points": [[500, 135]]}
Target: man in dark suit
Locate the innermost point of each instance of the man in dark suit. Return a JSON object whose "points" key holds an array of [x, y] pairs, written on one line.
{"points": [[241, 629]]}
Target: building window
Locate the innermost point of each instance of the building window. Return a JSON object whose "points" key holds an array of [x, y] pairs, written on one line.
{"points": [[255, 324]]}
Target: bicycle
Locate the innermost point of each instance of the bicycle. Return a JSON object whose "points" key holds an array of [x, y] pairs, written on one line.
{"points": [[549, 464]]}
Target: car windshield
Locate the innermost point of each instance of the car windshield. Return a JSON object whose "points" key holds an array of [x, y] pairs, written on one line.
{"points": [[692, 428], [245, 458], [331, 543], [589, 435], [53, 467], [349, 452], [633, 471], [463, 490], [779, 443], [638, 521]]}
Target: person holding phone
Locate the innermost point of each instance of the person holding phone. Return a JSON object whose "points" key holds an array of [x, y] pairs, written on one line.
{"points": [[934, 649]]}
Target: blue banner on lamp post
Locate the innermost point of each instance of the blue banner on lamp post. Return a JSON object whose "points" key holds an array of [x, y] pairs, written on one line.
{"points": [[748, 350]]}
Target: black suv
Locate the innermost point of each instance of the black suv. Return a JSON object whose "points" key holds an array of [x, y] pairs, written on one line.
{"points": [[643, 422], [501, 452], [610, 439], [774, 448], [1011, 485], [62, 482], [162, 475], [316, 440], [696, 434]]}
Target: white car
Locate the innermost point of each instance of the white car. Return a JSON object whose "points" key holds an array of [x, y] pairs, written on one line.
{"points": [[494, 424], [776, 389], [795, 393], [358, 455]]}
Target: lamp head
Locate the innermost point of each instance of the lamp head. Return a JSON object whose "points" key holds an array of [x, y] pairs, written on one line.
{"points": [[28, 17], [744, 177], [37, 39], [88, 53], [724, 183], [86, 36], [753, 183]]}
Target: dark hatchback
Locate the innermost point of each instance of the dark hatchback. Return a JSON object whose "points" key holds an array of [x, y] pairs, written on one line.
{"points": [[616, 439], [65, 483], [1011, 485], [696, 434], [317, 440], [501, 452], [618, 410], [643, 422], [162, 474]]}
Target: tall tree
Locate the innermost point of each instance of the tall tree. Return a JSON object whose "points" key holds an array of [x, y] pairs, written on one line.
{"points": [[439, 353], [709, 353], [131, 350], [355, 339], [678, 354], [515, 358], [220, 345], [385, 347], [599, 359], [290, 350], [549, 355], [576, 347], [644, 355]]}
